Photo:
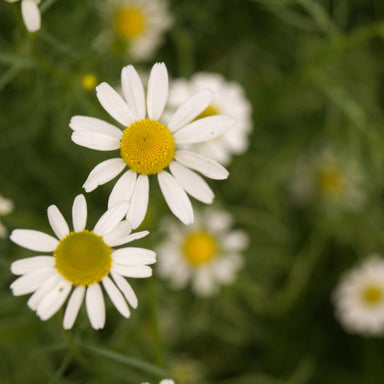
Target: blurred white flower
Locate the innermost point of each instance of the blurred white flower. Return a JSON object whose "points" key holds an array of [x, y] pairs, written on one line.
{"points": [[136, 26], [229, 100], [359, 298], [30, 13], [6, 207], [206, 253], [165, 381], [81, 258]]}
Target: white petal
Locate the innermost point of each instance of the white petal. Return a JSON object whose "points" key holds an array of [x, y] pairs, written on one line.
{"points": [[139, 202], [43, 290], [126, 288], [192, 183], [34, 240], [53, 301], [92, 124], [202, 164], [79, 213], [137, 271], [95, 305], [103, 172], [31, 281], [190, 109], [121, 231], [135, 236], [205, 129], [31, 15], [176, 198], [116, 297], [95, 140], [73, 307], [133, 91], [57, 222], [123, 188], [114, 104], [133, 256], [109, 220], [157, 91], [30, 264], [235, 240]]}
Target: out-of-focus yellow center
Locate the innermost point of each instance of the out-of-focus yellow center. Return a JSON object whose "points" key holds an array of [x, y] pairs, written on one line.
{"points": [[331, 181], [129, 22], [372, 294], [199, 248], [88, 81], [147, 146], [209, 111], [83, 258]]}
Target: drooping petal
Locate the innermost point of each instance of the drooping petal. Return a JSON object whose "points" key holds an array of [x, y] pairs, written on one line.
{"points": [[126, 288], [116, 297], [114, 104], [73, 307], [123, 188], [103, 172], [95, 140], [34, 240], [31, 15], [109, 220], [30, 264], [157, 91], [120, 232], [137, 271], [92, 124], [192, 183], [202, 164], [94, 302], [133, 256], [192, 108], [43, 290], [205, 129], [79, 213], [139, 202], [57, 222], [133, 91], [31, 281], [176, 198]]}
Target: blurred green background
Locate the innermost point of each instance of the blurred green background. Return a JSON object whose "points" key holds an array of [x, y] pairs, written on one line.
{"points": [[313, 72]]}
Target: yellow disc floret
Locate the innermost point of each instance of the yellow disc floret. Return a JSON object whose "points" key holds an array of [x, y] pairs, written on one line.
{"points": [[331, 181], [129, 22], [88, 81], [372, 294], [147, 147], [199, 248], [83, 258]]}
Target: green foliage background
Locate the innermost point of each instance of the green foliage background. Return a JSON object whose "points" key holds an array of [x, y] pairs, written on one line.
{"points": [[313, 71]]}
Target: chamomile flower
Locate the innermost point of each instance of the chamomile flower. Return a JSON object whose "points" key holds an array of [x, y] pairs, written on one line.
{"points": [[147, 146], [30, 13], [359, 298], [135, 27], [6, 207], [165, 381], [207, 253], [230, 100], [83, 259]]}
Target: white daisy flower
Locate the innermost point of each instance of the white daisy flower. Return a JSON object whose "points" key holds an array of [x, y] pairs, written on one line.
{"points": [[147, 146], [359, 298], [206, 253], [137, 27], [6, 207], [30, 13], [81, 258], [165, 381], [229, 100]]}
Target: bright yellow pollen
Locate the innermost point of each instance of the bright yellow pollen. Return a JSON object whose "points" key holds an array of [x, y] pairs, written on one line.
{"points": [[147, 147], [88, 82], [372, 294], [331, 181], [199, 248], [209, 111], [83, 258], [129, 22]]}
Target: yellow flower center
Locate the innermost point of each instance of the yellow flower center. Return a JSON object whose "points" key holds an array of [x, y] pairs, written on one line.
{"points": [[199, 248], [147, 147], [88, 82], [83, 258], [372, 294], [211, 110], [331, 181], [129, 22]]}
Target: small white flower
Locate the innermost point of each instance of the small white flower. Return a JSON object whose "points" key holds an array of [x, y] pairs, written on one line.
{"points": [[206, 253], [6, 207], [165, 381], [229, 100], [81, 258], [137, 27], [30, 13], [359, 298], [147, 146]]}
